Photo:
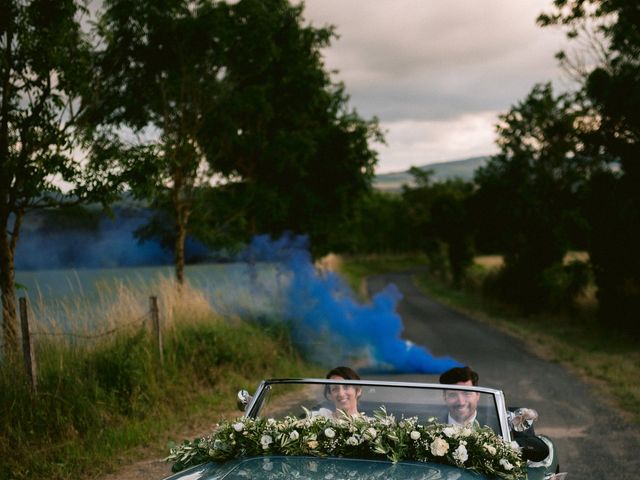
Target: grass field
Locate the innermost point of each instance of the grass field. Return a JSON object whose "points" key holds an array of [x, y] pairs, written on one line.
{"points": [[608, 360], [101, 400]]}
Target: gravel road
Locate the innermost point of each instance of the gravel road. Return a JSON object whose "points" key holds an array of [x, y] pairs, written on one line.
{"points": [[594, 441]]}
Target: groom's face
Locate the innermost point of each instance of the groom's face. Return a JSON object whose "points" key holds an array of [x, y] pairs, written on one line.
{"points": [[461, 404]]}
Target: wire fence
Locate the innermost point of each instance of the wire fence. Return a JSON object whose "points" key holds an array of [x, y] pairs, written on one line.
{"points": [[151, 317]]}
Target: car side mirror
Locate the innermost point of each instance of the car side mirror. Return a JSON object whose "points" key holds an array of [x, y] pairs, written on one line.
{"points": [[244, 399], [521, 419]]}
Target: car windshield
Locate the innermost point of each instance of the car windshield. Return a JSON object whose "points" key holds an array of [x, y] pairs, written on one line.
{"points": [[428, 402]]}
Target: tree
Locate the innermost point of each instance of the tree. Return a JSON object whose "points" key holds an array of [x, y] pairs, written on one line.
{"points": [[440, 224], [529, 192], [158, 72], [44, 67], [237, 93], [613, 88], [302, 156]]}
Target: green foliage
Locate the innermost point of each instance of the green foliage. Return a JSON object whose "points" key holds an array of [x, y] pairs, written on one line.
{"points": [[93, 403], [238, 92], [378, 224], [529, 194], [440, 223], [611, 85], [44, 67]]}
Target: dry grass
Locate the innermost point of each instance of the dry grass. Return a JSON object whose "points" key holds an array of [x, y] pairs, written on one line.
{"points": [[121, 306], [491, 262]]}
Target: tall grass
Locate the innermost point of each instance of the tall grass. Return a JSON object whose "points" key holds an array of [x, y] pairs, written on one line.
{"points": [[99, 397]]}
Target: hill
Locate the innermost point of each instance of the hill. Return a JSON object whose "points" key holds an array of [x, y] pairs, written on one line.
{"points": [[464, 169]]}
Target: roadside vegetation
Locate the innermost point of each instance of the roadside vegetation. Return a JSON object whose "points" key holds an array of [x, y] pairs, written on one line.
{"points": [[575, 337], [98, 402]]}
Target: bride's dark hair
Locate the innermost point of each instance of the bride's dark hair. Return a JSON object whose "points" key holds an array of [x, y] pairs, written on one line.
{"points": [[344, 372]]}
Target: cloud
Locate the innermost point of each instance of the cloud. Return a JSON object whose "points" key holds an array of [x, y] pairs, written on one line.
{"points": [[419, 142], [437, 64]]}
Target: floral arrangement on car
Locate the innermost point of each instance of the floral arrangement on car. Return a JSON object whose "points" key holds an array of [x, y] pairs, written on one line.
{"points": [[359, 436]]}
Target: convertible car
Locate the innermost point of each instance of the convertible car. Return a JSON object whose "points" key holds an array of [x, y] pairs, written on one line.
{"points": [[294, 428]]}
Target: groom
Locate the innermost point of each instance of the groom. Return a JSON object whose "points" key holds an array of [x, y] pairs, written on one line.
{"points": [[462, 405]]}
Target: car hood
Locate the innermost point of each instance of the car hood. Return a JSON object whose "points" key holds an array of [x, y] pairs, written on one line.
{"points": [[313, 468]]}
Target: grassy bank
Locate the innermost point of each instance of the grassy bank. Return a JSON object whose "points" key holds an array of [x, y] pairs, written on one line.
{"points": [[98, 401], [604, 358]]}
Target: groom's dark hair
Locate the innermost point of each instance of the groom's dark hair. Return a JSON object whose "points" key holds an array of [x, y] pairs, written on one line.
{"points": [[459, 374]]}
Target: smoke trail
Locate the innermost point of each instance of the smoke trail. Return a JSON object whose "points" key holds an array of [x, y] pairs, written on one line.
{"points": [[111, 243], [325, 317]]}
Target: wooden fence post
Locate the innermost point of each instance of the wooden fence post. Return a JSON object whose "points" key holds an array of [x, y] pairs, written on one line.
{"points": [[27, 346], [155, 321]]}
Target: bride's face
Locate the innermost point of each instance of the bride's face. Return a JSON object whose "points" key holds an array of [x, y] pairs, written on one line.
{"points": [[345, 397]]}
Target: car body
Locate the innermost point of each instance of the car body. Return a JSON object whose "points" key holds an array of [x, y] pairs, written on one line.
{"points": [[291, 429]]}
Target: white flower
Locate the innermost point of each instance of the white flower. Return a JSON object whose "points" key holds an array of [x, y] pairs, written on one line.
{"points": [[460, 454], [271, 422], [218, 444], [515, 445], [238, 427], [439, 447], [370, 433], [466, 431], [329, 433], [451, 431], [294, 435], [266, 440], [352, 441], [415, 435], [505, 464], [490, 448]]}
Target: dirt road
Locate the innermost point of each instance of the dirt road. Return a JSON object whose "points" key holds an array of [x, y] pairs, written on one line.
{"points": [[593, 440]]}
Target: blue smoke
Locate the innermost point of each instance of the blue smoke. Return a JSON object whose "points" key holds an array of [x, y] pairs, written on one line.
{"points": [[111, 244], [326, 320]]}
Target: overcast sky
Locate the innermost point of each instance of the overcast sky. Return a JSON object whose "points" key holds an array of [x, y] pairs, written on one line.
{"points": [[437, 72]]}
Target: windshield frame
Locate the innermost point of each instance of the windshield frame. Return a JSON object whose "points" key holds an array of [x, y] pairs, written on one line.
{"points": [[254, 406]]}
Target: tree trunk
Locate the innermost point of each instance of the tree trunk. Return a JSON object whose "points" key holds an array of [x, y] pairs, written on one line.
{"points": [[181, 235], [8, 285]]}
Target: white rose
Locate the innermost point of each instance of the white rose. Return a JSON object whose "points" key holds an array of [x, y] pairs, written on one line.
{"points": [[490, 448], [329, 433], [266, 440], [238, 427], [271, 421], [415, 435], [370, 433], [505, 464], [439, 447], [450, 431], [352, 441], [460, 454], [294, 435]]}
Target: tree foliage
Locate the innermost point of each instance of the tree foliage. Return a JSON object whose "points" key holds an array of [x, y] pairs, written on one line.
{"points": [[613, 88], [529, 194], [440, 224], [238, 93], [44, 68]]}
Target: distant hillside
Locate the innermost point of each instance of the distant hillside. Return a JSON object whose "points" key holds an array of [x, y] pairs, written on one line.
{"points": [[464, 169]]}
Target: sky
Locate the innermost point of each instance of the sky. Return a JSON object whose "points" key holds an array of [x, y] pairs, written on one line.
{"points": [[437, 73]]}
